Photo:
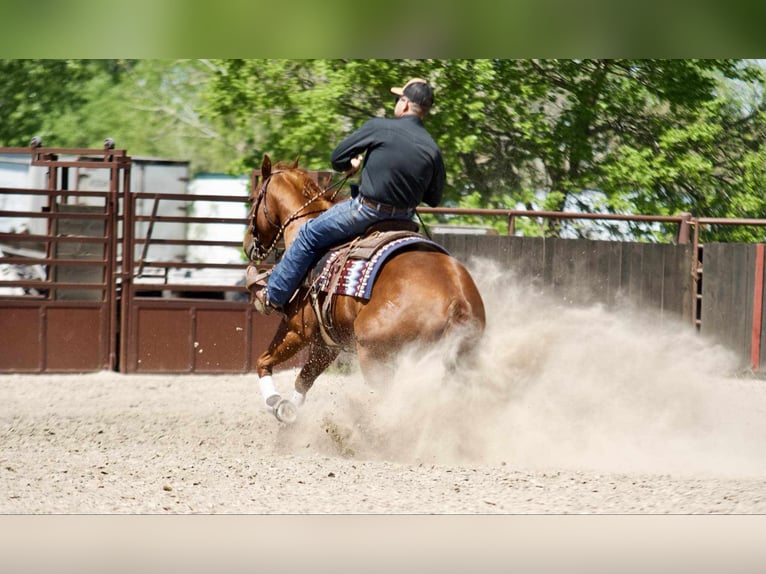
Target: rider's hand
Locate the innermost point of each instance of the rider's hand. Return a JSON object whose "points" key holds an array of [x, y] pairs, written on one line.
{"points": [[356, 163]]}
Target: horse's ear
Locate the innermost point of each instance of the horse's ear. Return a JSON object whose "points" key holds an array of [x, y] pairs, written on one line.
{"points": [[265, 167], [295, 163]]}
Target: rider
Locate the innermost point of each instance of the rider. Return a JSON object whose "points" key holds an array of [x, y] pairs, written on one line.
{"points": [[403, 167]]}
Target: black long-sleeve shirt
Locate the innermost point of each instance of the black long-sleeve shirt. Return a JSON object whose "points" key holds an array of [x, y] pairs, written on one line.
{"points": [[403, 166]]}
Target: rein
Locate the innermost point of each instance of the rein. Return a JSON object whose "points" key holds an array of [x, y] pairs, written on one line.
{"points": [[258, 251]]}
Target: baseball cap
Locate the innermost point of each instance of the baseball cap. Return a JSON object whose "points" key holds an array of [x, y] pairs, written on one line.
{"points": [[418, 91]]}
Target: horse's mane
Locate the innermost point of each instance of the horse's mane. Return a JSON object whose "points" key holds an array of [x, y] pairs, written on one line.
{"points": [[310, 187], [283, 165]]}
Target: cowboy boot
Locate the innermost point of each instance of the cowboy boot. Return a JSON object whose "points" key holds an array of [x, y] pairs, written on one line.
{"points": [[262, 305]]}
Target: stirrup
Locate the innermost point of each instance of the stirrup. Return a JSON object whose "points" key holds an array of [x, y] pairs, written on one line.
{"points": [[255, 278]]}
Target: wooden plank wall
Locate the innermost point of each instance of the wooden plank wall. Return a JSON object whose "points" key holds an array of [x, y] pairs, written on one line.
{"points": [[587, 272], [653, 276], [727, 295]]}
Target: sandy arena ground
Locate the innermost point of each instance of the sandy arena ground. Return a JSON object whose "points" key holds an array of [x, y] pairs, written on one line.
{"points": [[106, 443], [569, 411]]}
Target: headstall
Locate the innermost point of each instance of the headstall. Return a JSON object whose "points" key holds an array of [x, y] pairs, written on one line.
{"points": [[259, 252]]}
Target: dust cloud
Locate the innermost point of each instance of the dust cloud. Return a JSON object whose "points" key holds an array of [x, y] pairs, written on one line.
{"points": [[554, 386]]}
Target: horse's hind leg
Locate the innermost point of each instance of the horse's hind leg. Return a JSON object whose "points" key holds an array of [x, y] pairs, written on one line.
{"points": [[375, 364], [320, 357]]}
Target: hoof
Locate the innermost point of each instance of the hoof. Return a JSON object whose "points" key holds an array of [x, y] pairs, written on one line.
{"points": [[286, 412]]}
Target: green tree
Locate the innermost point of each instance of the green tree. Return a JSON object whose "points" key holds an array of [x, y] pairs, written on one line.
{"points": [[623, 136], [156, 109], [33, 90], [649, 136]]}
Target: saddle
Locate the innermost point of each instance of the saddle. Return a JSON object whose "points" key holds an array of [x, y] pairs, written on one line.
{"points": [[364, 247], [350, 269]]}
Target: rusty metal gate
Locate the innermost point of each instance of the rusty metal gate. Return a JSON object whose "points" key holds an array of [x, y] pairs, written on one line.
{"points": [[59, 261], [119, 276], [189, 315]]}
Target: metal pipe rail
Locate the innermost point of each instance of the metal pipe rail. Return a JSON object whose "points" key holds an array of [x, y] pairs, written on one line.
{"points": [[681, 220]]}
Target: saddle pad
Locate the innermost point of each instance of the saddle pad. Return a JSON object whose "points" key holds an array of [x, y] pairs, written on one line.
{"points": [[358, 275]]}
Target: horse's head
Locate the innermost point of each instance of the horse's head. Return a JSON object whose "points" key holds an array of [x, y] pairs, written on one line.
{"points": [[282, 198], [266, 170]]}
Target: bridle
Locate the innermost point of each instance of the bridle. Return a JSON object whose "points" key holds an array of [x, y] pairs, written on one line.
{"points": [[259, 251]]}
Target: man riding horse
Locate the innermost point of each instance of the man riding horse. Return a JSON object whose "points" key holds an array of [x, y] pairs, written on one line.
{"points": [[403, 167]]}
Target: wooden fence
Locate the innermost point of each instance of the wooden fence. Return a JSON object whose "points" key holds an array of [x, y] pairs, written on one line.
{"points": [[724, 303], [586, 272], [733, 297]]}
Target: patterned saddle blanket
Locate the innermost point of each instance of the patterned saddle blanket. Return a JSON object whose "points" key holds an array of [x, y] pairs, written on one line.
{"points": [[351, 269]]}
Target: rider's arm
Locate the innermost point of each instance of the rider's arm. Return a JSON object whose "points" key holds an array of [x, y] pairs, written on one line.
{"points": [[352, 146], [433, 195]]}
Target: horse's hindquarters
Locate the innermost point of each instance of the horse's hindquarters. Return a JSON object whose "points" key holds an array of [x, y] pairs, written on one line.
{"points": [[420, 297]]}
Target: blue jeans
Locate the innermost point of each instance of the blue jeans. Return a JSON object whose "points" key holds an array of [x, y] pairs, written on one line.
{"points": [[341, 223]]}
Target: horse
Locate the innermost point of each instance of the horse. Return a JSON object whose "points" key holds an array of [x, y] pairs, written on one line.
{"points": [[417, 297]]}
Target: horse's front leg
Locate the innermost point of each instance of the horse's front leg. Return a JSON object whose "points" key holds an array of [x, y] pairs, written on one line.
{"points": [[283, 346], [320, 357]]}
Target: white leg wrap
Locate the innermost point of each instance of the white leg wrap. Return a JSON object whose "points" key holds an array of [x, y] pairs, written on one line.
{"points": [[298, 399], [268, 392]]}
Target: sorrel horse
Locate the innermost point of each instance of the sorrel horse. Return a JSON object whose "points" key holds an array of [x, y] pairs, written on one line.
{"points": [[417, 297]]}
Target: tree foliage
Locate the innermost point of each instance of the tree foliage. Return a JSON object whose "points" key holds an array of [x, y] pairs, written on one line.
{"points": [[32, 90], [616, 136], [623, 136], [152, 108]]}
